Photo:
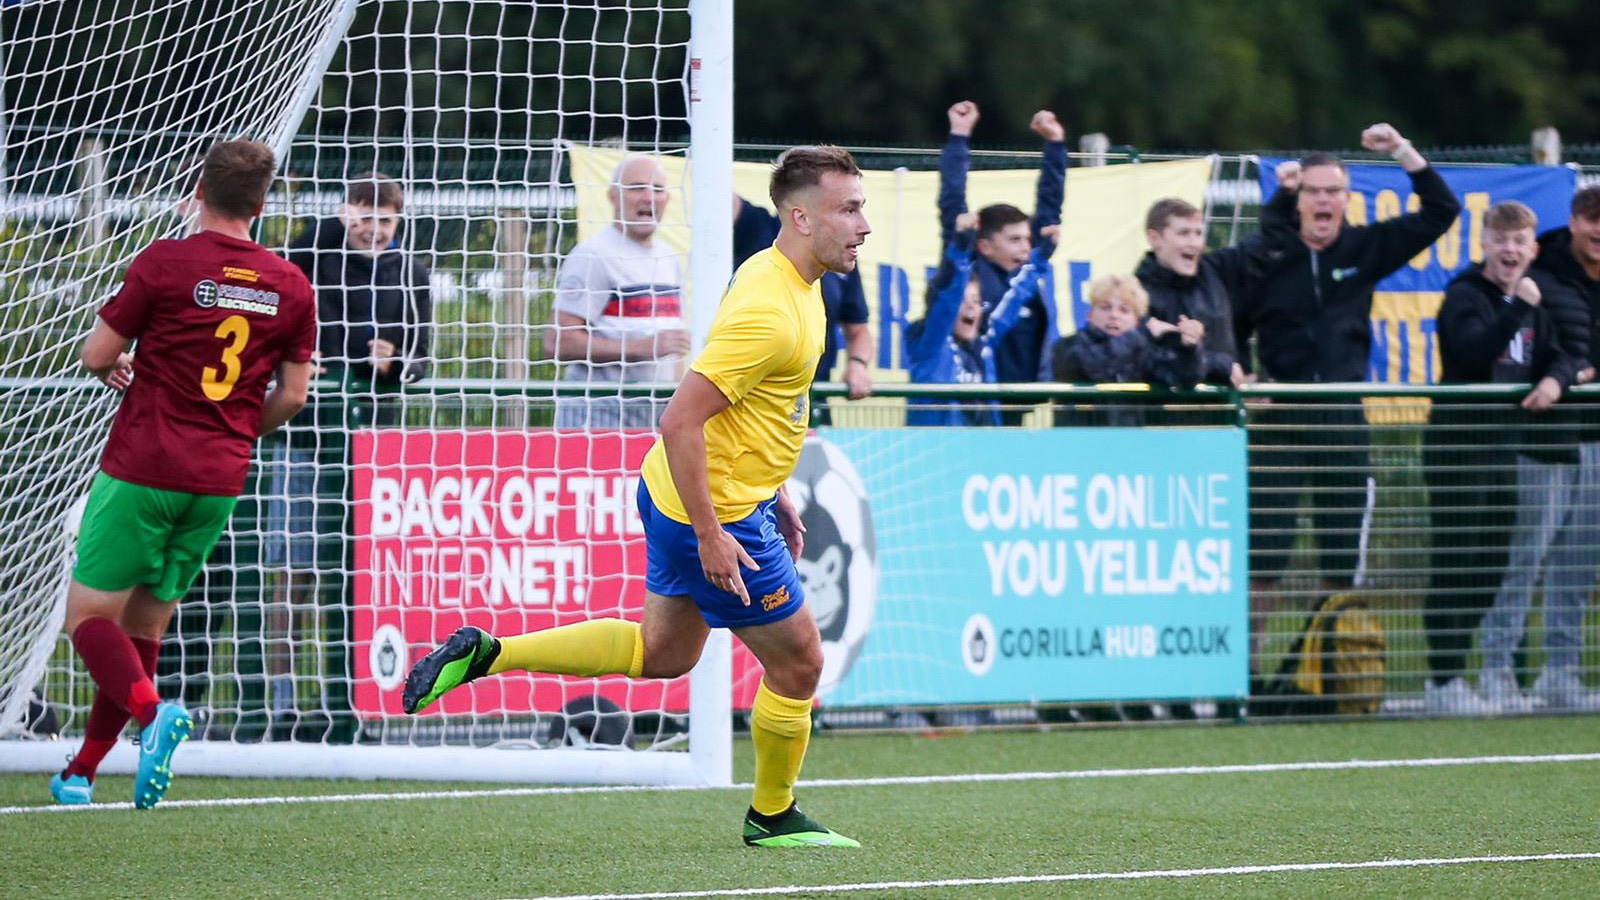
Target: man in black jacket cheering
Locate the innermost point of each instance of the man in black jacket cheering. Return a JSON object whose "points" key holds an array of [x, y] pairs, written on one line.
{"points": [[1310, 314]]}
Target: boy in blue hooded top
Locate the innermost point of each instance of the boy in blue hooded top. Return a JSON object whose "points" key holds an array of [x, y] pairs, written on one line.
{"points": [[953, 344], [1005, 237]]}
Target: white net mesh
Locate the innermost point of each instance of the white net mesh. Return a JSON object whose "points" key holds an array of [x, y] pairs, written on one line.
{"points": [[107, 106], [410, 498]]}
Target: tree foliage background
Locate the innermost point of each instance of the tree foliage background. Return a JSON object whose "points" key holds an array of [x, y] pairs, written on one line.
{"points": [[1156, 74], [1170, 74]]}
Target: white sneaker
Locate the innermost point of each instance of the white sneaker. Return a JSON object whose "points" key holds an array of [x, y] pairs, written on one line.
{"points": [[1499, 688], [1455, 698], [1559, 688]]}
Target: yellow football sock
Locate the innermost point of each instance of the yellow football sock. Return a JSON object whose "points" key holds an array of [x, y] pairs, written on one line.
{"points": [[780, 729], [595, 647]]}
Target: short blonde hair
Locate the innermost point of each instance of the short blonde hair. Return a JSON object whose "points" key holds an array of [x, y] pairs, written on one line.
{"points": [[1509, 215], [1127, 287]]}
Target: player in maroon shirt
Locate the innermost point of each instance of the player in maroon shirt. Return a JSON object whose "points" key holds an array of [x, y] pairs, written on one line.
{"points": [[216, 317]]}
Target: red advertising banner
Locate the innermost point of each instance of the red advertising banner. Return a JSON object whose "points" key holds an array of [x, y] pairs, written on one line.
{"points": [[510, 531]]}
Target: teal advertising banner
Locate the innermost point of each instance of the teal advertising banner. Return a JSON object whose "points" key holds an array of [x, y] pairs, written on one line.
{"points": [[1016, 565]]}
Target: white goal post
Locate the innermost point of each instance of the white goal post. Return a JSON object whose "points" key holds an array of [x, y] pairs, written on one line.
{"points": [[288, 647]]}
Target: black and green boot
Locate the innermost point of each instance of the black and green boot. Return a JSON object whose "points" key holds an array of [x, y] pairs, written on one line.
{"points": [[790, 828], [463, 656]]}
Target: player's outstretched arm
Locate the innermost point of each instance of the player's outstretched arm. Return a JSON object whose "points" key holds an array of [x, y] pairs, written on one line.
{"points": [[287, 397], [105, 354], [683, 431]]}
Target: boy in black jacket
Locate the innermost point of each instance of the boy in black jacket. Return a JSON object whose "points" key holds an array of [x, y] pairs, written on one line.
{"points": [[1121, 342], [374, 312], [374, 302], [1499, 323], [1183, 280], [1558, 491]]}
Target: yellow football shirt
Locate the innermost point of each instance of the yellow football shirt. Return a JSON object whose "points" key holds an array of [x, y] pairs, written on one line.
{"points": [[761, 353]]}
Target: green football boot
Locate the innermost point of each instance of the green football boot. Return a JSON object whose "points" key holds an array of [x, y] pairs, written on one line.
{"points": [[463, 656], [790, 828]]}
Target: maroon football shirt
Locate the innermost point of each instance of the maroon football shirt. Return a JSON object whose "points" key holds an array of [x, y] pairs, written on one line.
{"points": [[214, 315]]}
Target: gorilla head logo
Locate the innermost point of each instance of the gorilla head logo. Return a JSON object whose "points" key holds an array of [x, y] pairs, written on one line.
{"points": [[823, 567], [839, 566]]}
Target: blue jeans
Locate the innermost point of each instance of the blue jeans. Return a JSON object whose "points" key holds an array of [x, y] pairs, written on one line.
{"points": [[1557, 529], [289, 493]]}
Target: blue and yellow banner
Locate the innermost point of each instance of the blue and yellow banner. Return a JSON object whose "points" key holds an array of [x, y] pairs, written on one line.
{"points": [[1102, 226], [1020, 565], [1404, 349]]}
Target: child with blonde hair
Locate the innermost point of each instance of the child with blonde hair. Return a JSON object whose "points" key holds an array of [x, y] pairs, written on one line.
{"points": [[1119, 342]]}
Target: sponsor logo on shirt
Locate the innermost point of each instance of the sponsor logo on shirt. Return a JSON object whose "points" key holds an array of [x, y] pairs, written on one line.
{"points": [[236, 273], [798, 416], [644, 301], [1342, 274], [205, 294], [245, 299]]}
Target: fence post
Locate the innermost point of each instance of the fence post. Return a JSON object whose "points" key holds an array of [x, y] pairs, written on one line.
{"points": [[91, 193], [1546, 146], [1095, 145], [512, 240]]}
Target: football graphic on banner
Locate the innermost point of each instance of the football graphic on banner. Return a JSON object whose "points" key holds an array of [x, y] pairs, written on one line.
{"points": [[839, 566]]}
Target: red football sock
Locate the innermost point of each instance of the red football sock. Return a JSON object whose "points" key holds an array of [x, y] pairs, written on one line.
{"points": [[86, 761], [115, 666], [107, 719], [149, 653]]}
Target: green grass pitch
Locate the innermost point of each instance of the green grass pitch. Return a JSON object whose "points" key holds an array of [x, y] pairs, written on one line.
{"points": [[920, 839]]}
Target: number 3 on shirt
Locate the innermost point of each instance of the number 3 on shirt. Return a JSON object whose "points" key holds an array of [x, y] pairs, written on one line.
{"points": [[236, 331]]}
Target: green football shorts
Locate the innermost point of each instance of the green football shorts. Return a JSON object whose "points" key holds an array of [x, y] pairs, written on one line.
{"points": [[133, 535]]}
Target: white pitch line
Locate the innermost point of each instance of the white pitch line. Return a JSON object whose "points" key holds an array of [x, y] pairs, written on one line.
{"points": [[978, 778], [1073, 876]]}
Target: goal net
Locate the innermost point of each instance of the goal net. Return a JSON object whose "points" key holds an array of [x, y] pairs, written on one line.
{"points": [[413, 496]]}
